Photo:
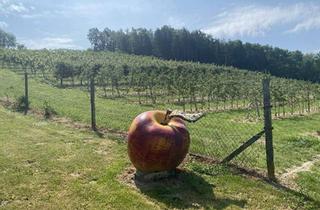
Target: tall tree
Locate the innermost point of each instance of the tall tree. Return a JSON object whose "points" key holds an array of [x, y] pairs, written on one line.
{"points": [[163, 42], [7, 40]]}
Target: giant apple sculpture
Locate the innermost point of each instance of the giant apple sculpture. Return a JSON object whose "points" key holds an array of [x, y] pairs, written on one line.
{"points": [[156, 142]]}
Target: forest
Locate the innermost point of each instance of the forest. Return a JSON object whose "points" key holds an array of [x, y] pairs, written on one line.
{"points": [[184, 45]]}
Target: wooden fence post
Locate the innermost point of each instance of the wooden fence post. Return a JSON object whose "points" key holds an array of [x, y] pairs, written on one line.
{"points": [[268, 128], [26, 92], [92, 104]]}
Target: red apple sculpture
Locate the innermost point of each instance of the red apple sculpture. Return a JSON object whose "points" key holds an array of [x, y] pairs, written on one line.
{"points": [[156, 142]]}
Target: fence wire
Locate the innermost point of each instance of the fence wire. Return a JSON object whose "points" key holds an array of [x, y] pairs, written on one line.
{"points": [[218, 134]]}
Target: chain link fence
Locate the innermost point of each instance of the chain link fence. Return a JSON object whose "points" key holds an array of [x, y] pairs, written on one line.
{"points": [[220, 133]]}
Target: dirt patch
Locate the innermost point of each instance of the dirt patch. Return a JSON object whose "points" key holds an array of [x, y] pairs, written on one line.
{"points": [[100, 142], [40, 143], [102, 152], [4, 203], [128, 178], [262, 140], [102, 131], [7, 102], [313, 134], [65, 158], [70, 123], [246, 120], [75, 175], [255, 120], [288, 177]]}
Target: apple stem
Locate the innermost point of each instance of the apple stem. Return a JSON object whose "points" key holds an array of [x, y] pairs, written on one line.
{"points": [[167, 117]]}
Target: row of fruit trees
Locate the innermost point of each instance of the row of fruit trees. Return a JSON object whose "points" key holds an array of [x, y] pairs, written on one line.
{"points": [[147, 80]]}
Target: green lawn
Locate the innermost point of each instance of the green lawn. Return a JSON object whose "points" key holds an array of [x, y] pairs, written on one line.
{"points": [[47, 166]]}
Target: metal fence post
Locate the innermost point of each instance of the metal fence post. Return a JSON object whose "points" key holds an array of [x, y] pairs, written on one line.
{"points": [[268, 128], [92, 104], [26, 92]]}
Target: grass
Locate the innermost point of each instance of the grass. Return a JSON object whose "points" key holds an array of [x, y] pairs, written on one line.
{"points": [[309, 182], [217, 134], [47, 166]]}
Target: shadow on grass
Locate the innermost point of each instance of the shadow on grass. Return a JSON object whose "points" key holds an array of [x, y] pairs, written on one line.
{"points": [[99, 133], [186, 190]]}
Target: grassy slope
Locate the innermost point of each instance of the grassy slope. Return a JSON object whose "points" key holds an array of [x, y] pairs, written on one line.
{"points": [[48, 166], [292, 144]]}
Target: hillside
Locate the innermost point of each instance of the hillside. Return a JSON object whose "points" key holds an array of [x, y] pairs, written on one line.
{"points": [[148, 80], [181, 44]]}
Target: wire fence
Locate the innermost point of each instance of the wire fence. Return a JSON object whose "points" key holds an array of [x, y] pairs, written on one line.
{"points": [[230, 121], [219, 133]]}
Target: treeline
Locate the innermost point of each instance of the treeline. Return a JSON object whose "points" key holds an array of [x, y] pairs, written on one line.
{"points": [[183, 45], [6, 39]]}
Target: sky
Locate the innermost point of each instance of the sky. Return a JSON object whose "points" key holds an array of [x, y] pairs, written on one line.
{"points": [[288, 24]]}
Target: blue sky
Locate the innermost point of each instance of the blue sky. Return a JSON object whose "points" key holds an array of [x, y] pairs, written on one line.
{"points": [[293, 25]]}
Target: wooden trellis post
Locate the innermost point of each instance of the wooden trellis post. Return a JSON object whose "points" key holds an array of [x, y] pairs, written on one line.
{"points": [[26, 92], [92, 104], [268, 128]]}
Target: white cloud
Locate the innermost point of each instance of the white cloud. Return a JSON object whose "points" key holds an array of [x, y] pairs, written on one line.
{"points": [[50, 43], [89, 10], [97, 9], [12, 7], [17, 8], [3, 24], [257, 20], [308, 24], [42, 14]]}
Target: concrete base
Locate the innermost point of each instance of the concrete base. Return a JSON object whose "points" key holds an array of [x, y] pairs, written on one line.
{"points": [[154, 176]]}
